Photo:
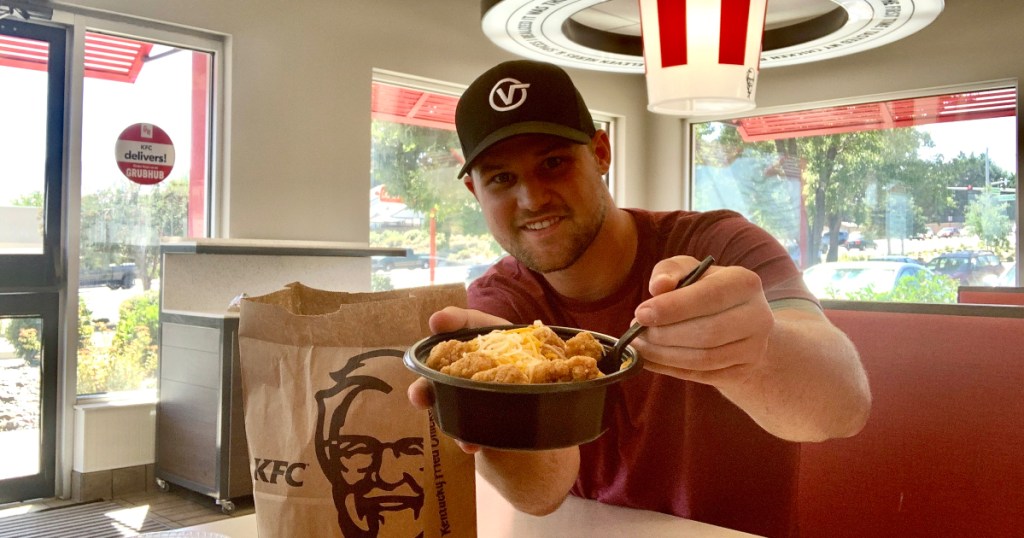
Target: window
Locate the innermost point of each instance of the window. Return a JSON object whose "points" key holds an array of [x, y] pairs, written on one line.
{"points": [[905, 180], [156, 105], [416, 200]]}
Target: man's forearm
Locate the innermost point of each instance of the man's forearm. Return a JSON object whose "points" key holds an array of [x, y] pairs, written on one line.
{"points": [[533, 482], [811, 388]]}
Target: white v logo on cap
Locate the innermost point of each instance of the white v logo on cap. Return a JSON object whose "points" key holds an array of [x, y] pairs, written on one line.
{"points": [[510, 92]]}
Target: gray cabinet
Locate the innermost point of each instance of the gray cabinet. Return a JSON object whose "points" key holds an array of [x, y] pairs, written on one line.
{"points": [[200, 431]]}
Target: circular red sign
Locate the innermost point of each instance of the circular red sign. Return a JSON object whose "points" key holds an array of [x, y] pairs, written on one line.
{"points": [[145, 154]]}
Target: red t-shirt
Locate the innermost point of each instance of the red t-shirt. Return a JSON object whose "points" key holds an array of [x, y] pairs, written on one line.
{"points": [[672, 446]]}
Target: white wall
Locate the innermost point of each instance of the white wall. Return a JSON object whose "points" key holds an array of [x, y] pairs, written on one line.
{"points": [[300, 98]]}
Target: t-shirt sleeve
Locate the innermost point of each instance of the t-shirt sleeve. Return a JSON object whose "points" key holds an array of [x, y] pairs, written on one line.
{"points": [[491, 299]]}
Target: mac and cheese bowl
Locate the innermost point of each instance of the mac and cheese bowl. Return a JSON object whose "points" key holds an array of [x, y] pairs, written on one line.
{"points": [[519, 412]]}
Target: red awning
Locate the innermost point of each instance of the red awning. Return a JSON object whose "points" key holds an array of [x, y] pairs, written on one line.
{"points": [[882, 115], [106, 57], [413, 107]]}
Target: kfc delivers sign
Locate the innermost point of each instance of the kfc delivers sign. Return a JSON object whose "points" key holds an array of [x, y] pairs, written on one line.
{"points": [[145, 154]]}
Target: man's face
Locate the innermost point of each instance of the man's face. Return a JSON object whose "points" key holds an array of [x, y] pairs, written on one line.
{"points": [[543, 197], [375, 480]]}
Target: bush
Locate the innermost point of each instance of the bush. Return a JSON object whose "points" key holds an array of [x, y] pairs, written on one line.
{"points": [[28, 345], [139, 311], [381, 282], [921, 288], [131, 360], [24, 334]]}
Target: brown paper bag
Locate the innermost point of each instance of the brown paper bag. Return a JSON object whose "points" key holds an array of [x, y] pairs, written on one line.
{"points": [[336, 449]]}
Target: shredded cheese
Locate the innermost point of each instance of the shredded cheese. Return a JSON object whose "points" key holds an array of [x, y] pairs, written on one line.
{"points": [[518, 347]]}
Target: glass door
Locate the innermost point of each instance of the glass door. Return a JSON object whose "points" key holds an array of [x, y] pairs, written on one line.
{"points": [[32, 67], [28, 387]]}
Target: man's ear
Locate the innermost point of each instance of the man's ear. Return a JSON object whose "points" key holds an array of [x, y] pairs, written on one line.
{"points": [[602, 148], [467, 180]]}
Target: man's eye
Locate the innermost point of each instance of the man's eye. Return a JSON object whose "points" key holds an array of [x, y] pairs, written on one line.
{"points": [[501, 179], [553, 162]]}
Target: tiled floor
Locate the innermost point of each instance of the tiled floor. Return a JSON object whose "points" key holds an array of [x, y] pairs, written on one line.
{"points": [[175, 509], [183, 508]]}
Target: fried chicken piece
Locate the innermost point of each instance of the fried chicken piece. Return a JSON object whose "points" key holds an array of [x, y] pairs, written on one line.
{"points": [[552, 346], [584, 344], [547, 336], [578, 368], [445, 353], [469, 364], [506, 373]]}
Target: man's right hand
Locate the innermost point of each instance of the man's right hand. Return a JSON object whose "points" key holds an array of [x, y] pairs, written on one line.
{"points": [[450, 319], [535, 482]]}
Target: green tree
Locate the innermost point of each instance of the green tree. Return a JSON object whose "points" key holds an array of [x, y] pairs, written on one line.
{"points": [[749, 177], [837, 171], [33, 199], [418, 165], [125, 223], [987, 217], [969, 171], [841, 167]]}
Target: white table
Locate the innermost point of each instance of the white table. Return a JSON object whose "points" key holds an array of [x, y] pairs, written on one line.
{"points": [[576, 518]]}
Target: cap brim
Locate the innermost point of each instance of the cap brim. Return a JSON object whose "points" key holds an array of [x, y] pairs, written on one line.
{"points": [[528, 127]]}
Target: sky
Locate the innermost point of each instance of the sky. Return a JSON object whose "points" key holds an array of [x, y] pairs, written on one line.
{"points": [[997, 136], [161, 96]]}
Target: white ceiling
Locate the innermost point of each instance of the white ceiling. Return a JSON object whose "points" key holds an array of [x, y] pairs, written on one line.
{"points": [[801, 30]]}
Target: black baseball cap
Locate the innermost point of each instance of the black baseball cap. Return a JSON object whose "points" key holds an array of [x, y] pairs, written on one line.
{"points": [[520, 97]]}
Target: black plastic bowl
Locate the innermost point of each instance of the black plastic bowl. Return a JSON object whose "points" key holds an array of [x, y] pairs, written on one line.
{"points": [[519, 416]]}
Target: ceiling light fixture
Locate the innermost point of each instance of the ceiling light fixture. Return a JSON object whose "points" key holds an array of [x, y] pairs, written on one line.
{"points": [[25, 10], [605, 35], [701, 56]]}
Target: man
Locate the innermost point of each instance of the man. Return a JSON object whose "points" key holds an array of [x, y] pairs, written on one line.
{"points": [[374, 481], [739, 366]]}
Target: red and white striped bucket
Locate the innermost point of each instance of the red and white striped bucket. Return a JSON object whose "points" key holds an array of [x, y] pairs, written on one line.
{"points": [[701, 56]]}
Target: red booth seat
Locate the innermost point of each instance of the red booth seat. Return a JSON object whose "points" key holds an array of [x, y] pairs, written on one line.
{"points": [[997, 295], [943, 451]]}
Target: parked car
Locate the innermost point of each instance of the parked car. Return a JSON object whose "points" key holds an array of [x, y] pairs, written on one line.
{"points": [[857, 241], [843, 236], [1009, 277], [897, 258], [948, 231], [113, 276], [837, 280], [410, 261], [969, 267]]}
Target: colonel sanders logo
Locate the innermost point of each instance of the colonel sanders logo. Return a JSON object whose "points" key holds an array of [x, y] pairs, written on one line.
{"points": [[374, 475]]}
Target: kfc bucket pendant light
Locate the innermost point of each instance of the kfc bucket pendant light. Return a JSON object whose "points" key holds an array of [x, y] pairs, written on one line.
{"points": [[701, 56]]}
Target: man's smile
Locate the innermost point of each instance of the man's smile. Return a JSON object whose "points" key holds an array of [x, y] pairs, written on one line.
{"points": [[542, 224]]}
